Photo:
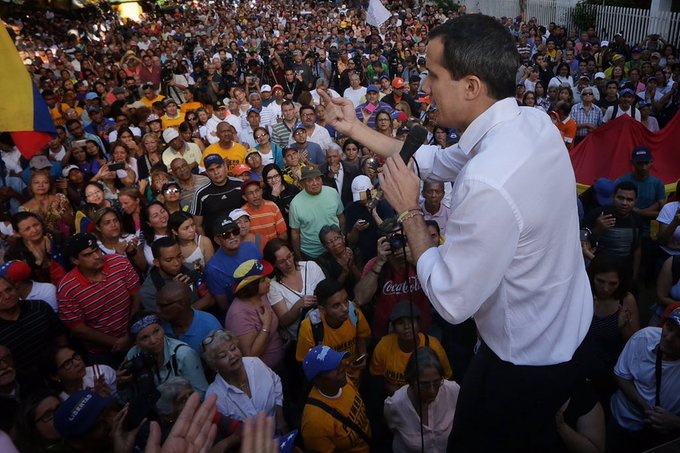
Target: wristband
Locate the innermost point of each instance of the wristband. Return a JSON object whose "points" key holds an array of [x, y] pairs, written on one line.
{"points": [[264, 330]]}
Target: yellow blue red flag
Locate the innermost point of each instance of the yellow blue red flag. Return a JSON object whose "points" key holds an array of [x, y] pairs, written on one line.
{"points": [[23, 111]]}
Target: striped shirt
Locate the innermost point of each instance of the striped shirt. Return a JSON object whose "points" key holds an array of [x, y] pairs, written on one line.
{"points": [[266, 221], [33, 332], [579, 114], [103, 305], [281, 134]]}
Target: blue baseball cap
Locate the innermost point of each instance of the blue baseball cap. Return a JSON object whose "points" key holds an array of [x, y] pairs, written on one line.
{"points": [[627, 91], [372, 88], [212, 159], [79, 413], [604, 191], [321, 359], [91, 96]]}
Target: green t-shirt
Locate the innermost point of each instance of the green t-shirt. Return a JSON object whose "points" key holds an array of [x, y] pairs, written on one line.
{"points": [[309, 213]]}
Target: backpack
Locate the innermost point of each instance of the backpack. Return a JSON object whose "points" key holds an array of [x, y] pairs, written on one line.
{"points": [[317, 325], [615, 110]]}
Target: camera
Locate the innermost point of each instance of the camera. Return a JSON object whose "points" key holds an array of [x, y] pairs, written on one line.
{"points": [[144, 394], [397, 242]]}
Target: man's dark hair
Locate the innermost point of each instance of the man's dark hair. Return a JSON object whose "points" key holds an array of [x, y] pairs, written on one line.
{"points": [[326, 289], [613, 82], [433, 224], [161, 243], [306, 107], [287, 102], [626, 185], [478, 45]]}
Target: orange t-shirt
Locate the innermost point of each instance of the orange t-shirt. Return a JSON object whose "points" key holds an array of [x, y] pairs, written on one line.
{"points": [[568, 131]]}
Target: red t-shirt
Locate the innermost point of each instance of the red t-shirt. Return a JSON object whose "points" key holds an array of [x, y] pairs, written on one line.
{"points": [[392, 289]]}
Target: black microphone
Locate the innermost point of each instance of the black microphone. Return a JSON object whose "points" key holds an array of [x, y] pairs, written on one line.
{"points": [[414, 140]]}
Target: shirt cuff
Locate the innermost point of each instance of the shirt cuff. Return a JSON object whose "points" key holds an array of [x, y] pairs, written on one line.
{"points": [[425, 265]]}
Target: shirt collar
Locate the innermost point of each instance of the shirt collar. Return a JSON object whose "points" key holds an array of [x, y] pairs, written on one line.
{"points": [[500, 111]]}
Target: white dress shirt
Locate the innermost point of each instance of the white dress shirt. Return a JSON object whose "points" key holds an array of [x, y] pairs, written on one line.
{"points": [[265, 387], [512, 256]]}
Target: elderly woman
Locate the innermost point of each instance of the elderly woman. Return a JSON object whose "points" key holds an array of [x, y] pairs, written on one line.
{"points": [[428, 399], [244, 386], [171, 357], [338, 261], [55, 209], [250, 315]]}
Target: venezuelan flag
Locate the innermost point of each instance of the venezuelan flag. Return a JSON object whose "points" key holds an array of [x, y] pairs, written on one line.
{"points": [[23, 111]]}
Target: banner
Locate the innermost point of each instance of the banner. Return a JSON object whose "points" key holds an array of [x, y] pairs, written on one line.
{"points": [[23, 111], [605, 153], [377, 14]]}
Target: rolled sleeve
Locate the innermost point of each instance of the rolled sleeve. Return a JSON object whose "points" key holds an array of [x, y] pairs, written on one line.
{"points": [[459, 276]]}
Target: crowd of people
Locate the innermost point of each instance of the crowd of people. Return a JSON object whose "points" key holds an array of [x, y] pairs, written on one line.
{"points": [[198, 226]]}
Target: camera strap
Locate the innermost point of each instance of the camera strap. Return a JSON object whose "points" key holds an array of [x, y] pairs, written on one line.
{"points": [[657, 375]]}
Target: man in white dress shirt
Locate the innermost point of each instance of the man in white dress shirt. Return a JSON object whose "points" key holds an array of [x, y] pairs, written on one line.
{"points": [[512, 257]]}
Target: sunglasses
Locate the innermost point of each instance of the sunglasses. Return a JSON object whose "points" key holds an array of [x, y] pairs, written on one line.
{"points": [[231, 233], [173, 190]]}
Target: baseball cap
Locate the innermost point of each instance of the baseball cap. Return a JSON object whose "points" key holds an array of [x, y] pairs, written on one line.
{"points": [[153, 117], [287, 149], [168, 184], [119, 90], [91, 96], [169, 101], [309, 172], [403, 310], [93, 109], [321, 359], [401, 116], [297, 127], [80, 242], [627, 91], [239, 170], [252, 110], [15, 271], [170, 134], [79, 413], [402, 131], [604, 44], [675, 317], [360, 184], [218, 105], [604, 191], [398, 83], [600, 75], [212, 159], [224, 224], [237, 214], [372, 88], [39, 162], [277, 87], [250, 182], [265, 88], [67, 170], [584, 76], [655, 55], [636, 50], [641, 154], [250, 271]]}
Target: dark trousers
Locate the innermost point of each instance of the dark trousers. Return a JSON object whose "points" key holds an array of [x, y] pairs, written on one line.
{"points": [[509, 408]]}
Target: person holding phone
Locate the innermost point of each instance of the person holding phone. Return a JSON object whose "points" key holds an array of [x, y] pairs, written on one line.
{"points": [[367, 112]]}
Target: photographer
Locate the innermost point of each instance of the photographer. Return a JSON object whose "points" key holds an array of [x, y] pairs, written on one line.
{"points": [[175, 81], [389, 278], [159, 356]]}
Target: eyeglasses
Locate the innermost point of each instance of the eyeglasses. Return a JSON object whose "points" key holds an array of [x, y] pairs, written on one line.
{"points": [[272, 178], [68, 364], [586, 94], [173, 190], [231, 233], [307, 114], [286, 259], [257, 137]]}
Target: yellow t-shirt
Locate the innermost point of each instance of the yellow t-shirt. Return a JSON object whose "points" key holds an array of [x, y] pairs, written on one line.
{"points": [[234, 156], [322, 432], [172, 122], [389, 361], [150, 103], [342, 339], [189, 106]]}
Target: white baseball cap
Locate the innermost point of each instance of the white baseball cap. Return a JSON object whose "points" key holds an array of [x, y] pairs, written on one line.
{"points": [[265, 88], [360, 184], [170, 134]]}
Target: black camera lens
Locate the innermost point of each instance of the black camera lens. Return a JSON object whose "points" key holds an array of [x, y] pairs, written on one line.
{"points": [[397, 241]]}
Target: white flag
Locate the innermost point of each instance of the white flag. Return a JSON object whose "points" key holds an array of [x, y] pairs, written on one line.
{"points": [[377, 13]]}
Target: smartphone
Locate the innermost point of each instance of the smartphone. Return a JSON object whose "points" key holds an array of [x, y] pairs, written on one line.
{"points": [[360, 358], [371, 108], [117, 166], [362, 222]]}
